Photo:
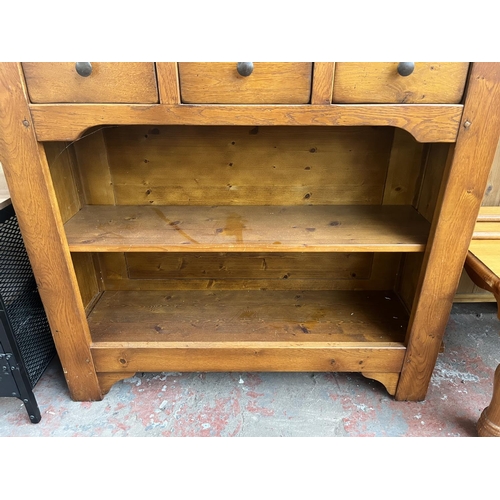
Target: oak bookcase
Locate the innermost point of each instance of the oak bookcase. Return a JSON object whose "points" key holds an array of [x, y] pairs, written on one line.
{"points": [[248, 216]]}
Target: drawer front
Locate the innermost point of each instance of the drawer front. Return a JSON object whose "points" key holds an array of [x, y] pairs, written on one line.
{"points": [[106, 83], [268, 83], [379, 83]]}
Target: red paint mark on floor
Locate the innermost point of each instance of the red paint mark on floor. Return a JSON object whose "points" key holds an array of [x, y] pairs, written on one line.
{"points": [[253, 394], [253, 408]]}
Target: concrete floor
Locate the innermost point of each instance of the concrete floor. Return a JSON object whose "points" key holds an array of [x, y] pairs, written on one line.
{"points": [[279, 404]]}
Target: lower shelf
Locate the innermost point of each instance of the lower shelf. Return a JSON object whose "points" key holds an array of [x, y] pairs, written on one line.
{"points": [[248, 330]]}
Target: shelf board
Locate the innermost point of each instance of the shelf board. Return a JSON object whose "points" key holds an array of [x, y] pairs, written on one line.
{"points": [[324, 228], [248, 330]]}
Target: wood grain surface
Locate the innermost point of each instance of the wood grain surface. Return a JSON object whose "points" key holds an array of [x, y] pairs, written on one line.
{"points": [[65, 178], [488, 424], [459, 201], [97, 184], [248, 315], [487, 228], [492, 193], [242, 165], [247, 357], [427, 123], [247, 228], [322, 83], [379, 82], [287, 271], [488, 252], [168, 82], [117, 82], [34, 200], [269, 83], [88, 278], [404, 173], [254, 330], [261, 266]]}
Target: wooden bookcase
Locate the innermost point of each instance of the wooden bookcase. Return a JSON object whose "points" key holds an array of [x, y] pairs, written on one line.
{"points": [[307, 217]]}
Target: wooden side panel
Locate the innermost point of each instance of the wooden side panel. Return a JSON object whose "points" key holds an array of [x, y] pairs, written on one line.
{"points": [[409, 275], [64, 178], [168, 82], [88, 277], [404, 169], [437, 157], [94, 169], [34, 200], [269, 83], [248, 165], [414, 169], [322, 83], [458, 203]]}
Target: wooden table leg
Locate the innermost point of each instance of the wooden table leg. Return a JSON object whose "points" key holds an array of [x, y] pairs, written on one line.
{"points": [[488, 424]]}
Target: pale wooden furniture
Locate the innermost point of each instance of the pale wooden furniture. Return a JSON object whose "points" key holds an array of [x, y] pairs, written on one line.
{"points": [[467, 290], [488, 424], [263, 226], [483, 266]]}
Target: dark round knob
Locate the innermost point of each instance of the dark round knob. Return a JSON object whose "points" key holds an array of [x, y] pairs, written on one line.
{"points": [[83, 68], [405, 69], [244, 69]]}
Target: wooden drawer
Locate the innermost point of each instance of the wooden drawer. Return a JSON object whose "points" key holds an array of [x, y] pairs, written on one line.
{"points": [[374, 83], [107, 83], [269, 83]]}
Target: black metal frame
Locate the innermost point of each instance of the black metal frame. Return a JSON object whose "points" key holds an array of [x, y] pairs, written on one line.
{"points": [[14, 380], [26, 344]]}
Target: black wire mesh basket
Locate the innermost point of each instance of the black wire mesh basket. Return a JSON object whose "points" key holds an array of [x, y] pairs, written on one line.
{"points": [[26, 341]]}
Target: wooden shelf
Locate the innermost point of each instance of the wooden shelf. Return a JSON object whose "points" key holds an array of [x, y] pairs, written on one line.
{"points": [[243, 330], [98, 228]]}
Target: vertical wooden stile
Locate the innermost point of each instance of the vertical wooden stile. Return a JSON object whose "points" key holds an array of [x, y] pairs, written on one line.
{"points": [[322, 83], [458, 205], [168, 82], [34, 200]]}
